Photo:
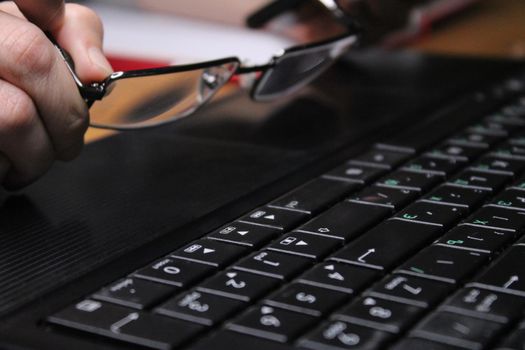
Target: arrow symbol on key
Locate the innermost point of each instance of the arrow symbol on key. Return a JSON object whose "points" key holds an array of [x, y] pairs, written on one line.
{"points": [[512, 279], [362, 257], [242, 233], [208, 250], [301, 243]]}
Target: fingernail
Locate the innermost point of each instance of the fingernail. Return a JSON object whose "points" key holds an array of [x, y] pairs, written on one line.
{"points": [[98, 59]]}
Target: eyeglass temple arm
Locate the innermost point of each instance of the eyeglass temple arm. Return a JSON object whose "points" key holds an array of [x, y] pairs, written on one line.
{"points": [[277, 7], [90, 93]]}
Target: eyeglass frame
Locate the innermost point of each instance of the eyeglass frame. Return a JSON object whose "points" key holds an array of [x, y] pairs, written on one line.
{"points": [[96, 91], [266, 13]]}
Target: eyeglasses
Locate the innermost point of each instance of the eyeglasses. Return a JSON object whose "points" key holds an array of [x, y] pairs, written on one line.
{"points": [[151, 97]]}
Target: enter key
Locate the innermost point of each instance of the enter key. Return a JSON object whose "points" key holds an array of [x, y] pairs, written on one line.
{"points": [[506, 274], [386, 245]]}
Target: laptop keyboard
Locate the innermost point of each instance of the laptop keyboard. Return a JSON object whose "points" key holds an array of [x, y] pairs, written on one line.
{"points": [[404, 246]]}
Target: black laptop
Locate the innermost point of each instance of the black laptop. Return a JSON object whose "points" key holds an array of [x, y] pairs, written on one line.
{"points": [[382, 207]]}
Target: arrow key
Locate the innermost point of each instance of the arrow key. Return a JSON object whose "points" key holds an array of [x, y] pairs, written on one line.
{"points": [[306, 244], [280, 219], [344, 278], [210, 252], [244, 234]]}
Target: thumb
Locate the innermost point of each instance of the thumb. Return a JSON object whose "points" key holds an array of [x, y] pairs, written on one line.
{"points": [[81, 35]]}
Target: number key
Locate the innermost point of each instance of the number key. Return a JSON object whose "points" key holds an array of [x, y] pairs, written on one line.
{"points": [[307, 299], [271, 323]]}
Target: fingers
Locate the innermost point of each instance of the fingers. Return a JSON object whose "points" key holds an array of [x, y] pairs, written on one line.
{"points": [[42, 116], [81, 35], [25, 149], [48, 15], [32, 64]]}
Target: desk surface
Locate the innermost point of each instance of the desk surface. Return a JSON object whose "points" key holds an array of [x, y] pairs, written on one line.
{"points": [[494, 28]]}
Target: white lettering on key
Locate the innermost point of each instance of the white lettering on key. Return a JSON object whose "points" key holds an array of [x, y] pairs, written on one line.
{"points": [[362, 257]]}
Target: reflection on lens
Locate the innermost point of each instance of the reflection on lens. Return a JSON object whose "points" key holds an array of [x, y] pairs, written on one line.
{"points": [[148, 100], [298, 67]]}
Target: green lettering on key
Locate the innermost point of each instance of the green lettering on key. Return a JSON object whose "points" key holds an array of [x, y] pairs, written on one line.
{"points": [[409, 217]]}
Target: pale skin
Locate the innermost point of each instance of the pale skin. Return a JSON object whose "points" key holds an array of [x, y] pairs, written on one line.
{"points": [[42, 116]]}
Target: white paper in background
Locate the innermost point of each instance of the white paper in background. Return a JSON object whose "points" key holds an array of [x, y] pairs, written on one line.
{"points": [[136, 33]]}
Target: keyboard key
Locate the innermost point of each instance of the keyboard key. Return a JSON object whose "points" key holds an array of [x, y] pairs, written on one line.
{"points": [[339, 277], [498, 219], [380, 158], [431, 214], [393, 198], [381, 314], [315, 196], [346, 220], [499, 165], [244, 234], [511, 198], [444, 264], [519, 185], [360, 174], [134, 292], [138, 328], [90, 315], [507, 119], [410, 290], [506, 275], [210, 252], [239, 285], [467, 332], [306, 244], [458, 152], [438, 166], [475, 139], [177, 272], [514, 341], [485, 304], [417, 343], [306, 299], [202, 308], [273, 264], [492, 128], [275, 218], [268, 322], [457, 196], [339, 335], [415, 181], [386, 245], [480, 180], [510, 151], [477, 239]]}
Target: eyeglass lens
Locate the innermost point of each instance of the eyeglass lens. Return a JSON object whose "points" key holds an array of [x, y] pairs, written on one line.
{"points": [[298, 67], [148, 100]]}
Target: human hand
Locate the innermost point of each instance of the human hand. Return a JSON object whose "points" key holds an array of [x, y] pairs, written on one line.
{"points": [[42, 116]]}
